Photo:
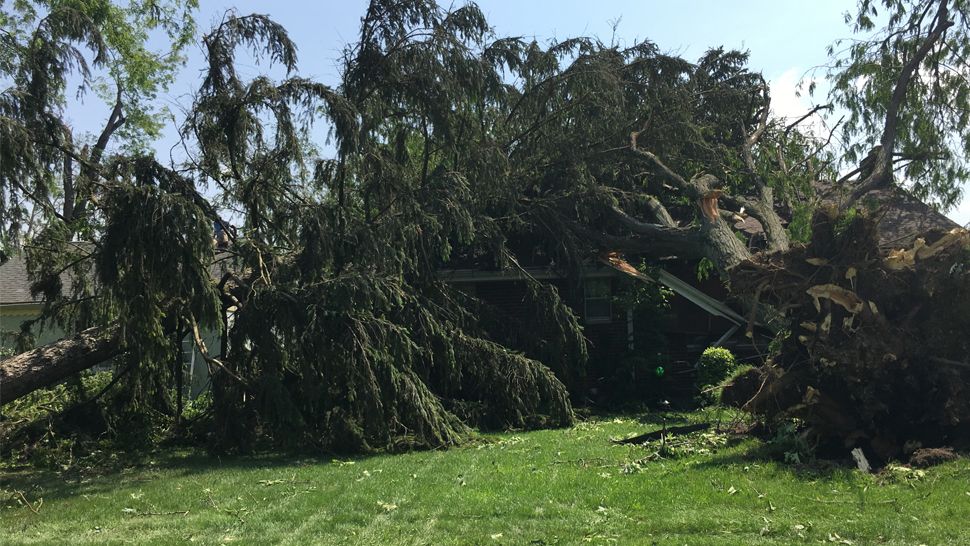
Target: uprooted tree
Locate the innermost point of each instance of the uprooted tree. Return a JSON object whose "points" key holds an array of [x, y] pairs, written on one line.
{"points": [[874, 355], [875, 358], [448, 144]]}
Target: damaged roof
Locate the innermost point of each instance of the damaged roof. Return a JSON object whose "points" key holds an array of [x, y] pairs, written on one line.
{"points": [[902, 217]]}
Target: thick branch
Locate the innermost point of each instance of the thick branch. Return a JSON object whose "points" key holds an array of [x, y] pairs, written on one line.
{"points": [[637, 226], [691, 190], [660, 212], [89, 167], [648, 238], [204, 351], [115, 121]]}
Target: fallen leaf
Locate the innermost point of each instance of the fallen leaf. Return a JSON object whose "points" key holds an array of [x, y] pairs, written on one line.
{"points": [[766, 530], [496, 536], [387, 506], [834, 537], [732, 490]]}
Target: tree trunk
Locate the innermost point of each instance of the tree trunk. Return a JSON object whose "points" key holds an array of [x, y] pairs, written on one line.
{"points": [[775, 234], [722, 245], [45, 366]]}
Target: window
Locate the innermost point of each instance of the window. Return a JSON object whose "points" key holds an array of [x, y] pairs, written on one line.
{"points": [[599, 306]]}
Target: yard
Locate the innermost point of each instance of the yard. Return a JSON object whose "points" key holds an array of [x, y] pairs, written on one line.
{"points": [[568, 486]]}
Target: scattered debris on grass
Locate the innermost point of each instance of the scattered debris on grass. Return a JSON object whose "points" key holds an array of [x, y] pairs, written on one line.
{"points": [[664, 432]]}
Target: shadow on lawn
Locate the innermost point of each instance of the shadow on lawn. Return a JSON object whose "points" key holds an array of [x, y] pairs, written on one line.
{"points": [[765, 454], [52, 484]]}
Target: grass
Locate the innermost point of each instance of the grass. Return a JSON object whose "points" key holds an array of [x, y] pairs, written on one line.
{"points": [[547, 487]]}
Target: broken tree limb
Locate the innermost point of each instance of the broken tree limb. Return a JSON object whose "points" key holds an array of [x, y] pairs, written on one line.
{"points": [[45, 366]]}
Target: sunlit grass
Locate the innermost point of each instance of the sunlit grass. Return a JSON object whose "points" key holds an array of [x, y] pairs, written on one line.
{"points": [[548, 487]]}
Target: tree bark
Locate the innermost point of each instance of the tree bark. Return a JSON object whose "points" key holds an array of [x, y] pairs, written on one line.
{"points": [[775, 234], [45, 366], [722, 245]]}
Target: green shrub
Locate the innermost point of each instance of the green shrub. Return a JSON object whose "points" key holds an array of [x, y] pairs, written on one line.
{"points": [[714, 366], [789, 444]]}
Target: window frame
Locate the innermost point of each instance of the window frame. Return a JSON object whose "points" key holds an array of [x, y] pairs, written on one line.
{"points": [[607, 318]]}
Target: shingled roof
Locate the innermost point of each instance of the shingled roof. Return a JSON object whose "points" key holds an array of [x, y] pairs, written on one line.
{"points": [[902, 217], [14, 283]]}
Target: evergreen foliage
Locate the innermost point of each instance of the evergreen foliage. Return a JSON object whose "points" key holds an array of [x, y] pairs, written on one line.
{"points": [[451, 145]]}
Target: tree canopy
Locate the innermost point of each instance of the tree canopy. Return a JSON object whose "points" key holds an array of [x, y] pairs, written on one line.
{"points": [[452, 145], [904, 85]]}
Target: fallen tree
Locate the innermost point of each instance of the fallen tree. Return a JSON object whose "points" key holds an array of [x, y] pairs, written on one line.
{"points": [[44, 366], [877, 353], [451, 147]]}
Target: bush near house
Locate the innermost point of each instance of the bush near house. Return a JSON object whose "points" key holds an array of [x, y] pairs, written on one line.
{"points": [[714, 366]]}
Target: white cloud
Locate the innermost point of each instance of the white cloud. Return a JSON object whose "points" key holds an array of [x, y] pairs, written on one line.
{"points": [[790, 100]]}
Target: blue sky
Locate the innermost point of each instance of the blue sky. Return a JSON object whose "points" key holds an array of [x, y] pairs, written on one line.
{"points": [[785, 37]]}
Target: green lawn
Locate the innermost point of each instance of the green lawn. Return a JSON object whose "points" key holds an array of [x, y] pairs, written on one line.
{"points": [[549, 487]]}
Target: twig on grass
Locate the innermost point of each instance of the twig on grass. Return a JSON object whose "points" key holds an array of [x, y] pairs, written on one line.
{"points": [[176, 513], [40, 502]]}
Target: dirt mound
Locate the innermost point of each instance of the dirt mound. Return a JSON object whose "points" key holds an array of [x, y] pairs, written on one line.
{"points": [[927, 457]]}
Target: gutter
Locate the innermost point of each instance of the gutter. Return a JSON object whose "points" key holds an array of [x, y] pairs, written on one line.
{"points": [[678, 286]]}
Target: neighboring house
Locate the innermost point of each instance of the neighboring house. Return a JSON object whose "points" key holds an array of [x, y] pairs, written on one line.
{"points": [[18, 305], [902, 217]]}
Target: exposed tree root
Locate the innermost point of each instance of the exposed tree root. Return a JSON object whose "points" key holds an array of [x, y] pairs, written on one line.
{"points": [[876, 356]]}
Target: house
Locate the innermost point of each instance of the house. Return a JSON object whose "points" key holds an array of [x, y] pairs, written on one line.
{"points": [[16, 302], [625, 350], [902, 216], [697, 318], [698, 321]]}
